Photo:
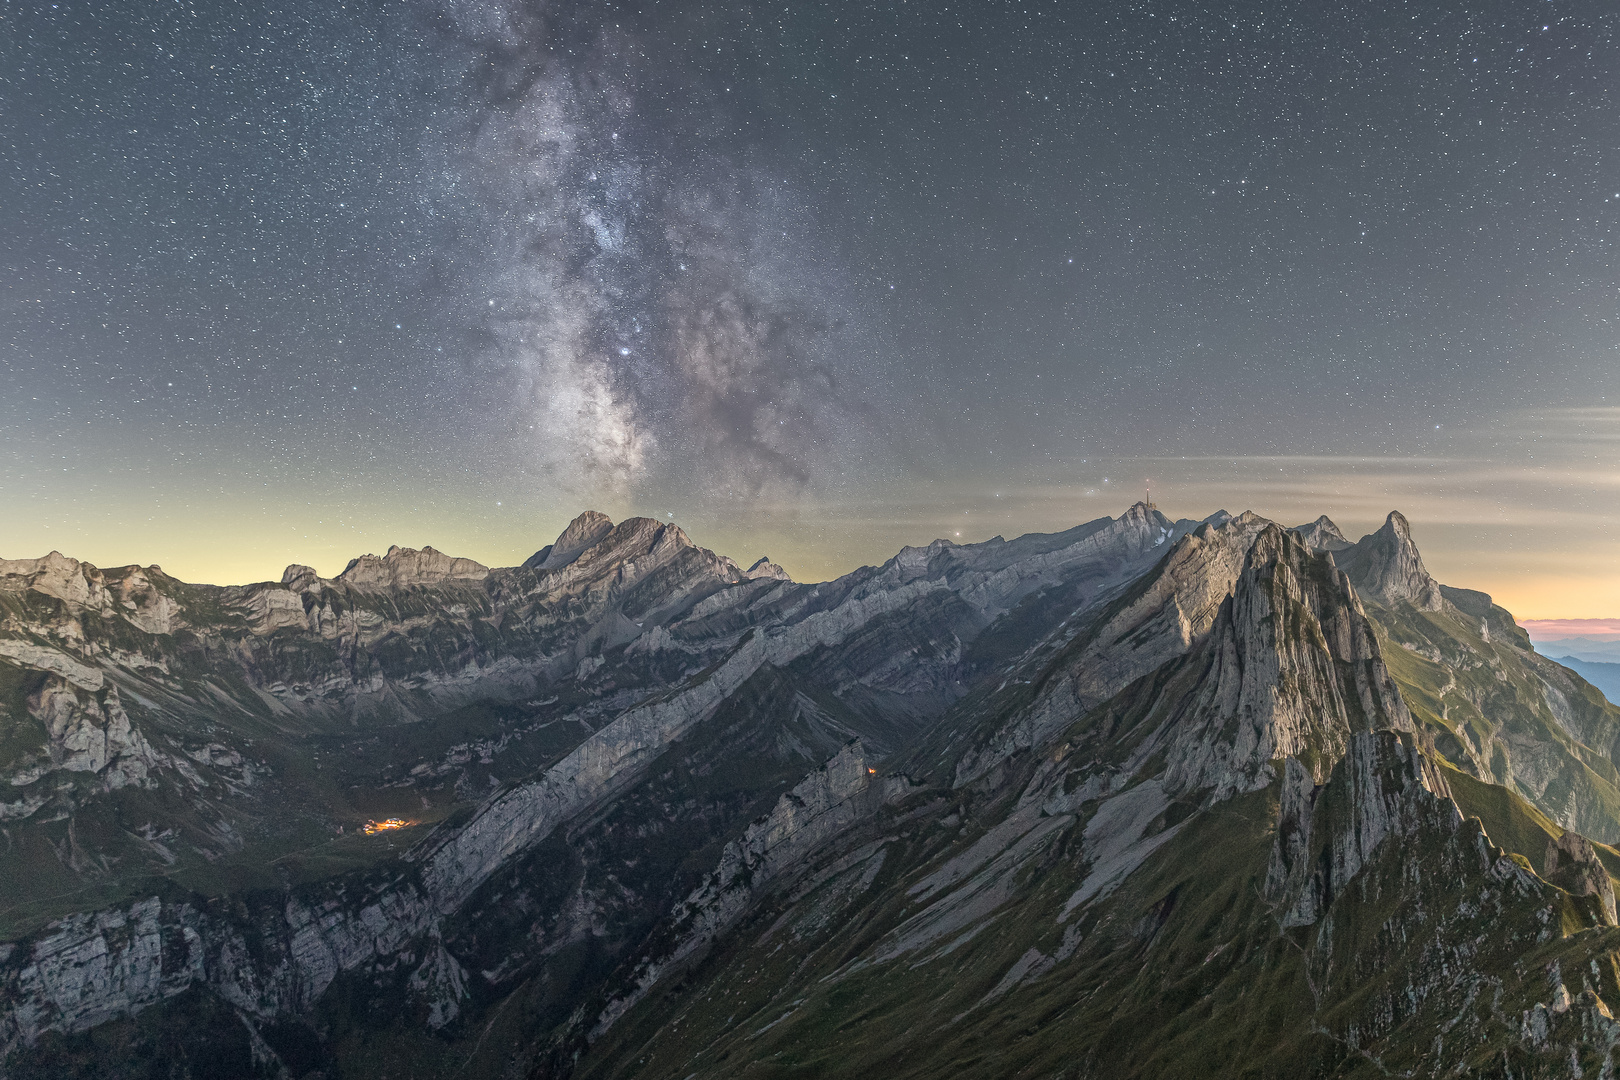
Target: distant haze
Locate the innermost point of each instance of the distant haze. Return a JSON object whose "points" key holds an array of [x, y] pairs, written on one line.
{"points": [[1556, 629]]}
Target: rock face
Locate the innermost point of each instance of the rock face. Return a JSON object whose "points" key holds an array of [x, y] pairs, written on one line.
{"points": [[1293, 671], [1381, 791], [1322, 535], [403, 568], [665, 816], [584, 532], [88, 733], [1284, 660], [1573, 865], [1163, 617], [1386, 566]]}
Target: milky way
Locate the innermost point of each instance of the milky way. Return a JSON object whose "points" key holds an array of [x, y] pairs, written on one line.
{"points": [[656, 307], [292, 280]]}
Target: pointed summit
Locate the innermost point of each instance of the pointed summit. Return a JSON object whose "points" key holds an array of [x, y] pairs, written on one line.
{"points": [[1322, 535], [1386, 567], [583, 533], [764, 568]]}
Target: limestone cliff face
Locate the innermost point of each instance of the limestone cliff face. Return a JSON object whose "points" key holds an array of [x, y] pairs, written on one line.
{"points": [[88, 733], [1322, 535], [584, 532], [1573, 865], [403, 568], [266, 961], [1386, 566], [138, 595], [1382, 791], [1160, 618], [1293, 670]]}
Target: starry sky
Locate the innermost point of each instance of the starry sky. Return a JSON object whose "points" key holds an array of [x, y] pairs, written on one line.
{"points": [[292, 281]]}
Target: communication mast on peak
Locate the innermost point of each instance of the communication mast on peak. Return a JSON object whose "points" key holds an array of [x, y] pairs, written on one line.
{"points": [[1147, 501]]}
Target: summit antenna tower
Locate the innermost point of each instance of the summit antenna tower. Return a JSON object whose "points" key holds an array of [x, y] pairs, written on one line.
{"points": [[1147, 501]]}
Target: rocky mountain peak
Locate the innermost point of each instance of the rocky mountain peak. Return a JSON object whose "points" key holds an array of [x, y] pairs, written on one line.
{"points": [[404, 567], [1139, 518], [54, 575], [631, 549], [1294, 671], [583, 533], [764, 568], [300, 578], [1321, 535], [1387, 567]]}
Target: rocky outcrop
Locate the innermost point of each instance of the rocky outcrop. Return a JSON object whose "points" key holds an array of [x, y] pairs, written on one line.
{"points": [[764, 568], [404, 568], [583, 533], [1321, 535], [1573, 865], [139, 595], [1290, 669], [1382, 790], [94, 968], [1386, 566], [88, 733], [57, 575], [45, 658]]}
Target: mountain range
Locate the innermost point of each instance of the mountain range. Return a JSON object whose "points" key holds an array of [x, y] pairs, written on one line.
{"points": [[1142, 798]]}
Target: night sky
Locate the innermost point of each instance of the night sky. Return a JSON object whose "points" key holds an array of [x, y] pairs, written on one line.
{"points": [[290, 282]]}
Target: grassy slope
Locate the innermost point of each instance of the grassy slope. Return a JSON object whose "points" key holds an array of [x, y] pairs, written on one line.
{"points": [[1481, 696], [1181, 973], [770, 1004]]}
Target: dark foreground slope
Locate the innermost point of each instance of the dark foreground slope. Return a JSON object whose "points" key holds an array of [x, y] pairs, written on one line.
{"points": [[1134, 799]]}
